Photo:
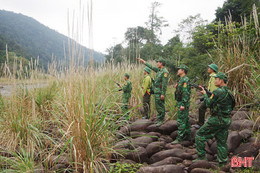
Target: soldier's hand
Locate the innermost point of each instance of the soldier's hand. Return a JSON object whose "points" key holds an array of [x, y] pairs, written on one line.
{"points": [[143, 96], [176, 85], [182, 108], [162, 97], [141, 60], [202, 90], [120, 86]]}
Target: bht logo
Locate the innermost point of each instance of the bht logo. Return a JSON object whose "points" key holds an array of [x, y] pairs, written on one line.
{"points": [[237, 162]]}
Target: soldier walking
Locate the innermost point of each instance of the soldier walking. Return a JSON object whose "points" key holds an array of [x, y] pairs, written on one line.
{"points": [[221, 103], [159, 88], [182, 96]]}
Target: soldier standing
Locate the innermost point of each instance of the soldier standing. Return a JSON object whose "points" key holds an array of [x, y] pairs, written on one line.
{"points": [[221, 103], [126, 88], [159, 88], [146, 93], [182, 96], [212, 70]]}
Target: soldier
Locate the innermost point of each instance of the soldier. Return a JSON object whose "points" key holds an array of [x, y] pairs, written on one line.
{"points": [[212, 70], [146, 86], [182, 96], [159, 88], [126, 88], [221, 103]]}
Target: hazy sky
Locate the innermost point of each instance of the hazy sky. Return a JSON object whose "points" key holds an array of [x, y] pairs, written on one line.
{"points": [[111, 18]]}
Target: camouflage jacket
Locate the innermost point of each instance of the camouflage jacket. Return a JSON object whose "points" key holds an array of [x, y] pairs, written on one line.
{"points": [[221, 102], [161, 80], [127, 88], [183, 91]]}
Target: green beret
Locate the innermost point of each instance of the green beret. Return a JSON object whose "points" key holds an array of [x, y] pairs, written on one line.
{"points": [[221, 75], [147, 69], [214, 67], [127, 75], [183, 67], [161, 60]]}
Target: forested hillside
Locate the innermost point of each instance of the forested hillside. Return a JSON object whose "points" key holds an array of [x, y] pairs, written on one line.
{"points": [[28, 38]]}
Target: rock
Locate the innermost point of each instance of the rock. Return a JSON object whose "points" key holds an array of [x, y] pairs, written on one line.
{"points": [[254, 139], [240, 115], [162, 169], [201, 170], [226, 167], [154, 147], [136, 134], [210, 142], [213, 148], [168, 127], [191, 151], [241, 124], [245, 134], [193, 134], [124, 130], [209, 157], [170, 153], [256, 164], [153, 128], [172, 146], [142, 141], [123, 144], [174, 135], [187, 163], [140, 125], [207, 148], [248, 150], [186, 143], [154, 135], [202, 164], [233, 141], [138, 155], [192, 121], [127, 161], [167, 161], [166, 138]]}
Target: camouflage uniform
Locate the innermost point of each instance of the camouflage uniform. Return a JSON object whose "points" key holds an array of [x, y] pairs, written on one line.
{"points": [[221, 103], [182, 96], [127, 88], [159, 88]]}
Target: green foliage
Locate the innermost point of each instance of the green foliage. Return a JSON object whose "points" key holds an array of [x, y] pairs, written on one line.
{"points": [[124, 167]]}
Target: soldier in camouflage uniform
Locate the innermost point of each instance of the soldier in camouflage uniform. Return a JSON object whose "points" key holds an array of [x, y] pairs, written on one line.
{"points": [[221, 103], [159, 87], [126, 88], [182, 96]]}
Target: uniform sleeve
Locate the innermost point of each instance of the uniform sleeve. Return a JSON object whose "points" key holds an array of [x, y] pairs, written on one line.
{"points": [[146, 84], [126, 87], [164, 82], [209, 101], [185, 93], [152, 67]]}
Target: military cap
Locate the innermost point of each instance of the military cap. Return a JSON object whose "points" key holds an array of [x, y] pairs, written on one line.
{"points": [[214, 67], [147, 69], [161, 60], [184, 67], [221, 75], [127, 75]]}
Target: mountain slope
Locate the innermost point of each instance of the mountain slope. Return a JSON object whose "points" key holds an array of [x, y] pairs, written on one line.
{"points": [[27, 37]]}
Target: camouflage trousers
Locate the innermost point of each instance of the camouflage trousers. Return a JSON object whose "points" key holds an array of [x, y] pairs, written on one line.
{"points": [[125, 104], [183, 123], [215, 127], [146, 105], [160, 107]]}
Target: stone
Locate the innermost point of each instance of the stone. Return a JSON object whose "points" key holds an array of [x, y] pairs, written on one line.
{"points": [[233, 141], [166, 138], [191, 151], [162, 169], [192, 121], [140, 125], [186, 143], [241, 124], [136, 134], [201, 170], [168, 161], [154, 135], [142, 141], [187, 163], [174, 135], [154, 147], [213, 148], [123, 144], [209, 157], [172, 146], [202, 164], [168, 127], [248, 150], [207, 148], [138, 155], [240, 115], [193, 134], [245, 134], [124, 130], [170, 153], [153, 128]]}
